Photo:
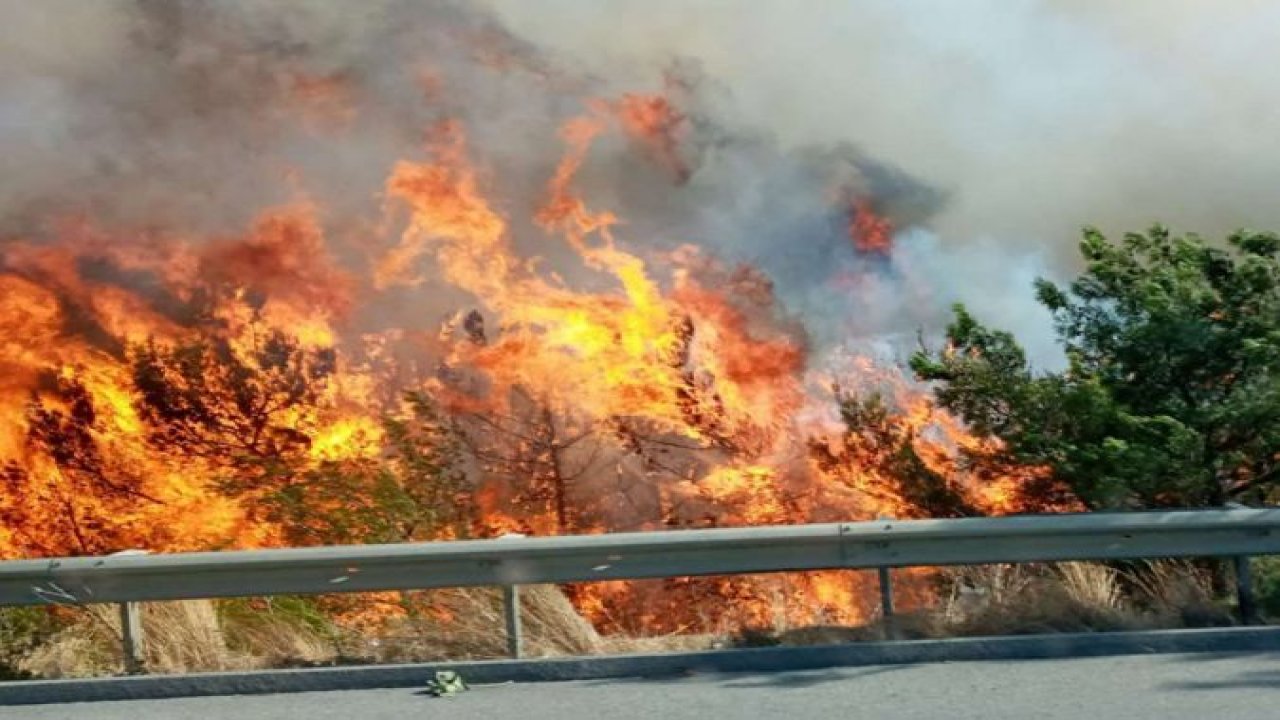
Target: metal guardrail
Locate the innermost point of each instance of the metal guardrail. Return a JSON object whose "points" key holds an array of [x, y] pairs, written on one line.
{"points": [[512, 561]]}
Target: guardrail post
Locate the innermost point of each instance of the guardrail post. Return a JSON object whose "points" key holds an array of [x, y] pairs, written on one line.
{"points": [[886, 603], [511, 607], [1244, 591], [131, 638]]}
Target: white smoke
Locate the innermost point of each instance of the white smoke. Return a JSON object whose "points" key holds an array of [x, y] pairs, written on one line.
{"points": [[990, 131], [1036, 117]]}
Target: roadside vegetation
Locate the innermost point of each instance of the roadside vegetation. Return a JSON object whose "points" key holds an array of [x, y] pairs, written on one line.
{"points": [[1035, 599], [1170, 397], [205, 635], [211, 635], [1171, 393]]}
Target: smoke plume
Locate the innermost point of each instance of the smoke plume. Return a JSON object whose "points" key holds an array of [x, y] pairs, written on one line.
{"points": [[979, 136]]}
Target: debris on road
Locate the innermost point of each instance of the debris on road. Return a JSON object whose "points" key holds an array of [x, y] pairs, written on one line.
{"points": [[445, 683]]}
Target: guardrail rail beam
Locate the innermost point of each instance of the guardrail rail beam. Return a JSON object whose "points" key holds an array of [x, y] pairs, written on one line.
{"points": [[132, 577]]}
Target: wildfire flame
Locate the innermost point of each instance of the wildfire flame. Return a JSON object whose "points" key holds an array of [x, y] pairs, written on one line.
{"points": [[141, 372], [659, 127], [868, 231]]}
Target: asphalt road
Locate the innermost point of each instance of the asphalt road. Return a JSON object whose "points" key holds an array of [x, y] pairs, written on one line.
{"points": [[1156, 687]]}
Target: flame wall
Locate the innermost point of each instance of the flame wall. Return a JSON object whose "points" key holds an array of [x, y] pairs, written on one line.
{"points": [[630, 303]]}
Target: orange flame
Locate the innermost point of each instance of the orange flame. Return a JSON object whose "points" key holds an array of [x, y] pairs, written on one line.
{"points": [[622, 392], [868, 231], [660, 129]]}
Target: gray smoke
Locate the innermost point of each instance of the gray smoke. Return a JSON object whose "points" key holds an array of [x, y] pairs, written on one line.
{"points": [[1034, 116], [987, 131], [1038, 116]]}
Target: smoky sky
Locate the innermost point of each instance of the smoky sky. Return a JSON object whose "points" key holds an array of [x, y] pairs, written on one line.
{"points": [[1037, 116], [1034, 117], [989, 132]]}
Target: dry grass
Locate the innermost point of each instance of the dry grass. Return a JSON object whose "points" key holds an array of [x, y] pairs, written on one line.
{"points": [[74, 652], [1179, 593], [180, 637], [465, 623], [279, 632], [1032, 599], [1021, 600], [617, 644], [1082, 597], [970, 590], [1090, 585], [468, 623], [447, 624]]}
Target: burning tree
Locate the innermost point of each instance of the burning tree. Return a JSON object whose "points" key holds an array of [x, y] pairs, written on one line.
{"points": [[542, 457], [87, 480], [255, 408], [416, 490], [557, 468], [877, 455], [249, 408]]}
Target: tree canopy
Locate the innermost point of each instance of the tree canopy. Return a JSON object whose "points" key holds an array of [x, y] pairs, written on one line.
{"points": [[1171, 394], [252, 411]]}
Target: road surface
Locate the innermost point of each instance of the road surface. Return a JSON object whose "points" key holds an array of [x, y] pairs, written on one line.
{"points": [[1150, 687]]}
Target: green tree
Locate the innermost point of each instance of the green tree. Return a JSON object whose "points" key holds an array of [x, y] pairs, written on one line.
{"points": [[1171, 396], [417, 491]]}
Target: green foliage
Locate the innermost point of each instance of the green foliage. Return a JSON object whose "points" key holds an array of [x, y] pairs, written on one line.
{"points": [[1172, 393], [1266, 584], [295, 610], [416, 492], [21, 630]]}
